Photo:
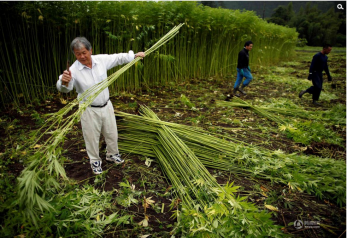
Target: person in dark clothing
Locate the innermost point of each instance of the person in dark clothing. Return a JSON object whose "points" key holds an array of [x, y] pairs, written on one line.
{"points": [[318, 64], [243, 69]]}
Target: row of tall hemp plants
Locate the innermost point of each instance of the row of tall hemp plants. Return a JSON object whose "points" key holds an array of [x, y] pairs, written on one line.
{"points": [[35, 38]]}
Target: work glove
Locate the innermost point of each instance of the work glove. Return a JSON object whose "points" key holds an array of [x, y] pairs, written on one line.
{"points": [[241, 72], [310, 76], [249, 69], [329, 78]]}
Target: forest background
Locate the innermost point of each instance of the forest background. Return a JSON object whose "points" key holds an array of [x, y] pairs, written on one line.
{"points": [[315, 21], [26, 26], [35, 38]]}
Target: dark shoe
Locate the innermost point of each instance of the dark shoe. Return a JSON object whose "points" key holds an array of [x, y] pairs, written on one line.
{"points": [[316, 103], [302, 93], [235, 92], [241, 90]]}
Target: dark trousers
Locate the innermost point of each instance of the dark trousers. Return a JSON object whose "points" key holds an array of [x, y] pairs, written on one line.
{"points": [[317, 81]]}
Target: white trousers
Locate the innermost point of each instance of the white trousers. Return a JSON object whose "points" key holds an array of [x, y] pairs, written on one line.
{"points": [[97, 120]]}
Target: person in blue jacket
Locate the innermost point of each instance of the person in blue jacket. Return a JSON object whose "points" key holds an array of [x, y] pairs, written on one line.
{"points": [[243, 69], [318, 64]]}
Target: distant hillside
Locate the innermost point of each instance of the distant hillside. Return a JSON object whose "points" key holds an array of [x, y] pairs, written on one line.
{"points": [[265, 9]]}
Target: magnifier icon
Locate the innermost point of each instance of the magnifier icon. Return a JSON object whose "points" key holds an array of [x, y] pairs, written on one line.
{"points": [[340, 7]]}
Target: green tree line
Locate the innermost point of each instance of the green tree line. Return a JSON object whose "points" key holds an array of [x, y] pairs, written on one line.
{"points": [[35, 38], [265, 9], [314, 27]]}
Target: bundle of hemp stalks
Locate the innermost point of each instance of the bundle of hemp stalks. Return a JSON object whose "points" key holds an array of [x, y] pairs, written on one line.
{"points": [[208, 209], [324, 177]]}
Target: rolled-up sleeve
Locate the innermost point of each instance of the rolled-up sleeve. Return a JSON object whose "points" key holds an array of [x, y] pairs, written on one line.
{"points": [[131, 55], [63, 88]]}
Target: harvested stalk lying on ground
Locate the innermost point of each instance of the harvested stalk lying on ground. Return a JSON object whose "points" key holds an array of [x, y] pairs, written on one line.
{"points": [[208, 210], [326, 178], [39, 180], [335, 114], [301, 131], [238, 102]]}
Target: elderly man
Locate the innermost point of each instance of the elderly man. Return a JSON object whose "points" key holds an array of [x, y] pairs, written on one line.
{"points": [[243, 69], [318, 64], [84, 73]]}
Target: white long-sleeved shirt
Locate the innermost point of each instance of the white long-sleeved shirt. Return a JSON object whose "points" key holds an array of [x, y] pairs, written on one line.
{"points": [[84, 77]]}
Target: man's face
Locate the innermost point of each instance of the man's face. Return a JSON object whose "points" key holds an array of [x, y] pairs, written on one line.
{"points": [[249, 47], [327, 50], [84, 56]]}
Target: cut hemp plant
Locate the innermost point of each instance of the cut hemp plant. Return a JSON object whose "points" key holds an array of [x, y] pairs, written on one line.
{"points": [[301, 132], [208, 209], [324, 177], [79, 212]]}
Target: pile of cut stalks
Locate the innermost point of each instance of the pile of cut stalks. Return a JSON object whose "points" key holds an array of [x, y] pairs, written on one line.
{"points": [[183, 152]]}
